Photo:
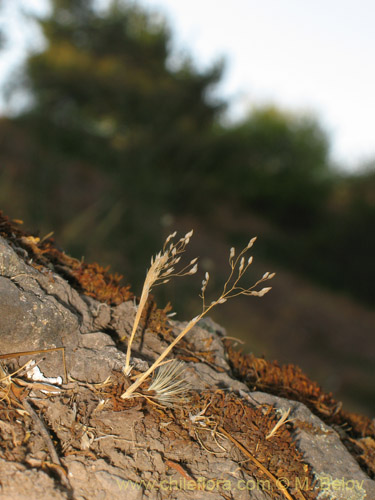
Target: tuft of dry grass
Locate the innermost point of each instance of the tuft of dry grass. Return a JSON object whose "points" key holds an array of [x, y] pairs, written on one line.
{"points": [[162, 269], [169, 385], [283, 420]]}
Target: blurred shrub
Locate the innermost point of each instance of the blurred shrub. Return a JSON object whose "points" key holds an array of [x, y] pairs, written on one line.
{"points": [[276, 163], [114, 125], [115, 139]]}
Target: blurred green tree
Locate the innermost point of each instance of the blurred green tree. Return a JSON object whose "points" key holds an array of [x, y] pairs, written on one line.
{"points": [[121, 130], [277, 164], [117, 135], [346, 238]]}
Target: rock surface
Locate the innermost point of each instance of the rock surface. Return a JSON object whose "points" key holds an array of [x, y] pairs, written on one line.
{"points": [[104, 447]]}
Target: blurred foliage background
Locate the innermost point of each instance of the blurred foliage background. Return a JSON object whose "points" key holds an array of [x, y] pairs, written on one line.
{"points": [[117, 146]]}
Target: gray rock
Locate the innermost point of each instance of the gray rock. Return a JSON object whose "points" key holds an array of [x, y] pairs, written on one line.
{"points": [[19, 482], [41, 311]]}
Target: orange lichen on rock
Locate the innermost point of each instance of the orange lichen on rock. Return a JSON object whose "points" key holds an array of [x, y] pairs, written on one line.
{"points": [[91, 279], [364, 449], [227, 415], [226, 426], [157, 319], [290, 382], [287, 381]]}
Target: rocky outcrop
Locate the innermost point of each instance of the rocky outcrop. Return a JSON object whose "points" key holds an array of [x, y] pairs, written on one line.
{"points": [[81, 440]]}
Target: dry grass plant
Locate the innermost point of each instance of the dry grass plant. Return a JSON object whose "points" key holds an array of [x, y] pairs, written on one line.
{"points": [[162, 269]]}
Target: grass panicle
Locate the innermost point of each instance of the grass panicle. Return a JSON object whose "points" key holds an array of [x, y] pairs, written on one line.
{"points": [[162, 269]]}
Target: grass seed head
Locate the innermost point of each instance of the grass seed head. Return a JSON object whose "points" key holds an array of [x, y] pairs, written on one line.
{"points": [[161, 271], [169, 385]]}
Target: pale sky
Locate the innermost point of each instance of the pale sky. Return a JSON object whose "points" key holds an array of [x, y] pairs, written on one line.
{"points": [[316, 56]]}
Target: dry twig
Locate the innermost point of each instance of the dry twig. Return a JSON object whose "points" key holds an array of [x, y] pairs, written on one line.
{"points": [[280, 486], [51, 449]]}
